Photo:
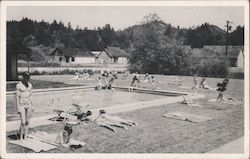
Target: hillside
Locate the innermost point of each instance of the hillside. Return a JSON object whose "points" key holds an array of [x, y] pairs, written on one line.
{"points": [[205, 34], [40, 37]]}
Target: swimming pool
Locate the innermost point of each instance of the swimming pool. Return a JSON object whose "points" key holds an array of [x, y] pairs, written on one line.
{"points": [[46, 102]]}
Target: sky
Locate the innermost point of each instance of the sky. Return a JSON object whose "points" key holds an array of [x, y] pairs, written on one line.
{"points": [[120, 17]]}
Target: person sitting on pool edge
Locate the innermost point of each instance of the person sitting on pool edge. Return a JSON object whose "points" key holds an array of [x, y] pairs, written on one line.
{"points": [[134, 82], [153, 82], [110, 83], [99, 84], [146, 78]]}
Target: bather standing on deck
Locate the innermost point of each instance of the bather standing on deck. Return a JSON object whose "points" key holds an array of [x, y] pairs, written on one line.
{"points": [[24, 104], [222, 87], [195, 87], [134, 82]]}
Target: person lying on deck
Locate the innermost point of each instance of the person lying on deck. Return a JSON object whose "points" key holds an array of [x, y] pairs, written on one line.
{"points": [[62, 138], [116, 119], [108, 121]]}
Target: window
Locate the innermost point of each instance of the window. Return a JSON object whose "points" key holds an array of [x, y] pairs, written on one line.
{"points": [[233, 62], [60, 59], [72, 59], [67, 59]]}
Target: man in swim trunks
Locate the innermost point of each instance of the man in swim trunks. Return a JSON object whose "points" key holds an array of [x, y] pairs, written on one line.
{"points": [[24, 103], [222, 87]]}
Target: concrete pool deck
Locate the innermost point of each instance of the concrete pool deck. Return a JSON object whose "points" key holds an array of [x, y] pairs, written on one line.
{"points": [[40, 121], [55, 89], [236, 146]]}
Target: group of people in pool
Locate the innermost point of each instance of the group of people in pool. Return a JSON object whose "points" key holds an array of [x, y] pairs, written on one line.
{"points": [[106, 80], [147, 79], [84, 74]]}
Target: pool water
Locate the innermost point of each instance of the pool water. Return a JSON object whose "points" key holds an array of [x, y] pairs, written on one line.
{"points": [[45, 103]]}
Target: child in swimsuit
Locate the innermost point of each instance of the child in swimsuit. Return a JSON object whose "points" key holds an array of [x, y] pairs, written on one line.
{"points": [[62, 138]]}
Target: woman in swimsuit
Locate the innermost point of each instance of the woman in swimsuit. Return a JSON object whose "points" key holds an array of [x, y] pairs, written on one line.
{"points": [[24, 104]]}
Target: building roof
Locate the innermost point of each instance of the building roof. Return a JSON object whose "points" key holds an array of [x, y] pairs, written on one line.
{"points": [[96, 53], [116, 52], [56, 52], [76, 52]]}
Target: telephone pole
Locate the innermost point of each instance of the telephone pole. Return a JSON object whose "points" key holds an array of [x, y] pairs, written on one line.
{"points": [[229, 27]]}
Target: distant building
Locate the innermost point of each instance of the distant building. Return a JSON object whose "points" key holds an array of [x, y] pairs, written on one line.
{"points": [[96, 54], [71, 56], [57, 56], [235, 54], [112, 55]]}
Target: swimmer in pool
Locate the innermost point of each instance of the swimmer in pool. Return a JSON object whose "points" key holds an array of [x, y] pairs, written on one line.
{"points": [[24, 104]]}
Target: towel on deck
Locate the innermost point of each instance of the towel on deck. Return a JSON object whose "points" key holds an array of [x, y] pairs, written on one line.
{"points": [[32, 144], [186, 117], [50, 137], [37, 145]]}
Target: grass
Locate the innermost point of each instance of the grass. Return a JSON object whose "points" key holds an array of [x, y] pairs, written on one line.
{"points": [[156, 134]]}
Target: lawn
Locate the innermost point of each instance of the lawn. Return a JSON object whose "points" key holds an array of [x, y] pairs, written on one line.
{"points": [[156, 134]]}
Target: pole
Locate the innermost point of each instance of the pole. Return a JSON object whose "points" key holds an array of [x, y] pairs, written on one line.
{"points": [[228, 28], [28, 62]]}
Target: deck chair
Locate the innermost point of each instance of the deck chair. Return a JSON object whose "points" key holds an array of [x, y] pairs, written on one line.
{"points": [[58, 117], [58, 110]]}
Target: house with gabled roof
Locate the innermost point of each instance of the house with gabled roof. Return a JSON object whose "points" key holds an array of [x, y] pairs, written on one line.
{"points": [[72, 56], [113, 55], [57, 56]]}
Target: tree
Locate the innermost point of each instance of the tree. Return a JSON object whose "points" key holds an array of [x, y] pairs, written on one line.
{"points": [[237, 36]]}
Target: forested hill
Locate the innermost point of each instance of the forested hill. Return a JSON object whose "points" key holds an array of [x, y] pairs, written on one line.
{"points": [[32, 33]]}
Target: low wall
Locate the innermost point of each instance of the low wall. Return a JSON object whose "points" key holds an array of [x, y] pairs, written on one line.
{"points": [[60, 69]]}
